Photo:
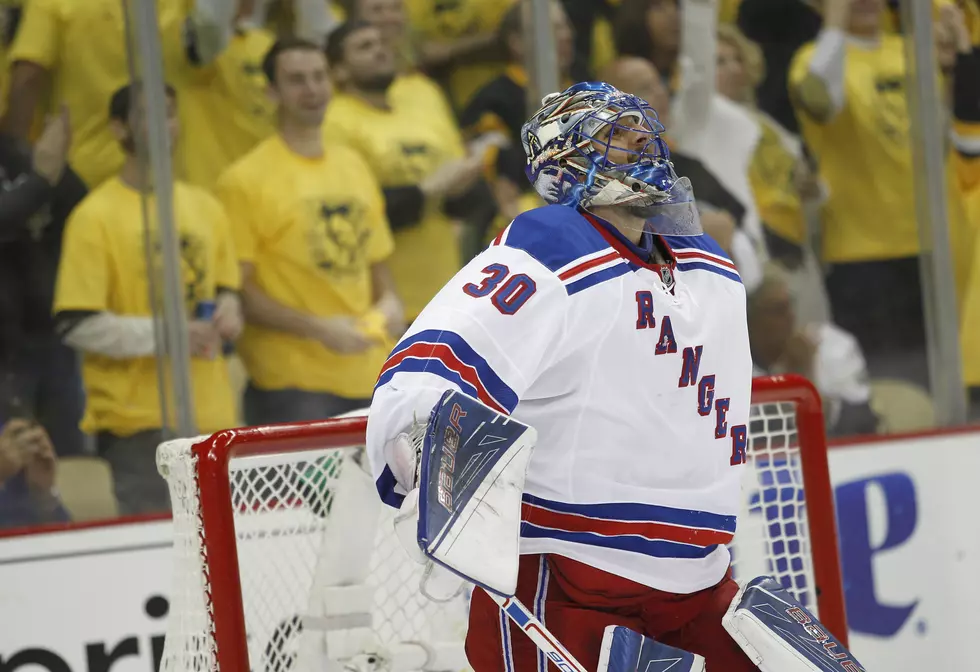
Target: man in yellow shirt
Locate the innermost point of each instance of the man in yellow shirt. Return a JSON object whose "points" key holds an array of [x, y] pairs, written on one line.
{"points": [[225, 111], [456, 41], [102, 309], [74, 52], [417, 156], [415, 87], [312, 238], [501, 107], [849, 90]]}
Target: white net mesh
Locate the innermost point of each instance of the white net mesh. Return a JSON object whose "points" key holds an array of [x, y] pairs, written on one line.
{"points": [[323, 577], [317, 586], [773, 536], [189, 622]]}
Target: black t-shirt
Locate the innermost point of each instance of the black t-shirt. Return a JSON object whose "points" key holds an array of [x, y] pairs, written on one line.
{"points": [[32, 220], [501, 105]]}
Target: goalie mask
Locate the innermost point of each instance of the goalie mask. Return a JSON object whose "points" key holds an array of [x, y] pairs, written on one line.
{"points": [[593, 145]]}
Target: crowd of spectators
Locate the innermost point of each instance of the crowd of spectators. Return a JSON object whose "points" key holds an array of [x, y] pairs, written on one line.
{"points": [[335, 163]]}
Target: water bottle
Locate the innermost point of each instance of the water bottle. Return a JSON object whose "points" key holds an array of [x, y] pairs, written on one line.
{"points": [[205, 311]]}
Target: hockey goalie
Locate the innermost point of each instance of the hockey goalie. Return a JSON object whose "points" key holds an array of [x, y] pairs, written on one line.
{"points": [[565, 424]]}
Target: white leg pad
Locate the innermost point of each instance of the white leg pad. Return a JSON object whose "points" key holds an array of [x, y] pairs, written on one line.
{"points": [[780, 635]]}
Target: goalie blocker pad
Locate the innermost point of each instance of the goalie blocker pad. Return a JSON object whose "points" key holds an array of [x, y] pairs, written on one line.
{"points": [[780, 635], [471, 481]]}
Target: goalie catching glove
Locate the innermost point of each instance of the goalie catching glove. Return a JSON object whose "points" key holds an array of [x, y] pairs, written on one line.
{"points": [[467, 466]]}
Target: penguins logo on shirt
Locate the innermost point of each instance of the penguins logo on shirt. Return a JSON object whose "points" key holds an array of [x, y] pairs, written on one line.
{"points": [[338, 237], [193, 266], [776, 165], [891, 110], [418, 159]]}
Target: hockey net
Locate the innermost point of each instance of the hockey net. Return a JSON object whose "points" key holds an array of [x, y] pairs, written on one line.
{"points": [[286, 560]]}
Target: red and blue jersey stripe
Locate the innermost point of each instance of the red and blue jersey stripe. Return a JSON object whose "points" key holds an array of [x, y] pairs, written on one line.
{"points": [[565, 242], [447, 354], [647, 529], [702, 253]]}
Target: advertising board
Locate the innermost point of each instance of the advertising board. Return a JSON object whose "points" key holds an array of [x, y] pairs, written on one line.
{"points": [[96, 600]]}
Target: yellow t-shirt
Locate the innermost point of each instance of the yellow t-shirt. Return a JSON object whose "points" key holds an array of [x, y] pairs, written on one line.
{"points": [[312, 228], [892, 20], [967, 165], [728, 11], [864, 157], [771, 176], [970, 322], [416, 92], [83, 46], [603, 45], [104, 268], [968, 174], [224, 109], [403, 145], [281, 17], [450, 20]]}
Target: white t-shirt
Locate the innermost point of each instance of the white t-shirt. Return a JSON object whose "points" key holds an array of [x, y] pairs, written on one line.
{"points": [[840, 373]]}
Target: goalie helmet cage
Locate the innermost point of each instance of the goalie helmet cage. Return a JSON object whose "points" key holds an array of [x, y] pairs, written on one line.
{"points": [[284, 559]]}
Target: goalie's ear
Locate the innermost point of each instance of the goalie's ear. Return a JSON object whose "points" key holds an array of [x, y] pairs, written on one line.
{"points": [[474, 462], [624, 650]]}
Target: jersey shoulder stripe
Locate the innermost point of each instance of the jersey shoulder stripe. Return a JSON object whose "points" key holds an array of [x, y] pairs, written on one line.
{"points": [[658, 531], [567, 244], [555, 235], [607, 271], [703, 243], [702, 253], [447, 354]]}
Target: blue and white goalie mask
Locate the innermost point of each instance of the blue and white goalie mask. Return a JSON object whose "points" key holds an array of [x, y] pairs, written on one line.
{"points": [[593, 145]]}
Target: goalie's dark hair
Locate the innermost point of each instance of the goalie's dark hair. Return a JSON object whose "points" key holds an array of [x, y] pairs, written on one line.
{"points": [[282, 46], [121, 103]]}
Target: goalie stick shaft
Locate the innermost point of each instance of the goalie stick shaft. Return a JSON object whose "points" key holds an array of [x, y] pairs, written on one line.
{"points": [[540, 635]]}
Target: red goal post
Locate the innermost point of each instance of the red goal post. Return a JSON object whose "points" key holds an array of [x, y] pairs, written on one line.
{"points": [[228, 510]]}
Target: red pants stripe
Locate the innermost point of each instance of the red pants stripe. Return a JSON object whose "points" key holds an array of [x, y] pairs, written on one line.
{"points": [[576, 603]]}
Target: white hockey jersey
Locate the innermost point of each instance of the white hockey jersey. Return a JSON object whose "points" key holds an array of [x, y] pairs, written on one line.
{"points": [[637, 378]]}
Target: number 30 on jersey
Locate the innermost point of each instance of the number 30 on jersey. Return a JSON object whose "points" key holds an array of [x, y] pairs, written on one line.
{"points": [[507, 292]]}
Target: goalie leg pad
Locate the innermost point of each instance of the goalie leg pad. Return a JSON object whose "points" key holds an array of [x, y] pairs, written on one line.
{"points": [[780, 635], [624, 650], [471, 482]]}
